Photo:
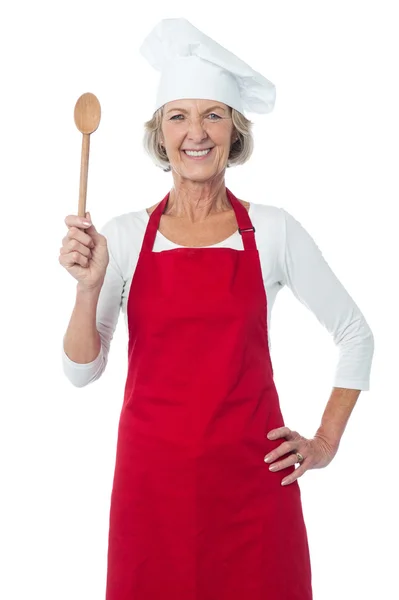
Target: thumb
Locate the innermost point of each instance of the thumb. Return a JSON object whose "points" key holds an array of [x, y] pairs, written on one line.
{"points": [[91, 230], [97, 237]]}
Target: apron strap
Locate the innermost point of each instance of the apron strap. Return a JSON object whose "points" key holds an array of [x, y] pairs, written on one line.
{"points": [[245, 227]]}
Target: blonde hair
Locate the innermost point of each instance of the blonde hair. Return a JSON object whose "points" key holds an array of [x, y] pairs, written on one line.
{"points": [[240, 151]]}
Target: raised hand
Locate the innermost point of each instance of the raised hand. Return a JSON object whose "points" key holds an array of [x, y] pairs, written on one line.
{"points": [[84, 252]]}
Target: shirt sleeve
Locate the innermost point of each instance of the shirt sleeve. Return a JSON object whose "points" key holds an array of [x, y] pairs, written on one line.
{"points": [[108, 310], [314, 284]]}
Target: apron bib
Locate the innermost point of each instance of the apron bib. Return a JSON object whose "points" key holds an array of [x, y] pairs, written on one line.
{"points": [[195, 512]]}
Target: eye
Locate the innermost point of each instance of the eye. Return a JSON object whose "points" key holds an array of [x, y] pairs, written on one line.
{"points": [[214, 115], [176, 117]]}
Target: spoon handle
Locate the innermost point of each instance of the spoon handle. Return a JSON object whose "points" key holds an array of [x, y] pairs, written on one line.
{"points": [[84, 169]]}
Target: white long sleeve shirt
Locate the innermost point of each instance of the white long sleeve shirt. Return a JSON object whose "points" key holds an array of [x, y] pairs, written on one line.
{"points": [[288, 255]]}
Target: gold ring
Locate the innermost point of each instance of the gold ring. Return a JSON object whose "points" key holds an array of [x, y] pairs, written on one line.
{"points": [[299, 456]]}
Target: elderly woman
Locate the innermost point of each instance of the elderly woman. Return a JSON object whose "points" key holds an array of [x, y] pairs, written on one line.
{"points": [[205, 502]]}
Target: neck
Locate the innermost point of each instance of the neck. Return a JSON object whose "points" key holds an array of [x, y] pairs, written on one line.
{"points": [[195, 201]]}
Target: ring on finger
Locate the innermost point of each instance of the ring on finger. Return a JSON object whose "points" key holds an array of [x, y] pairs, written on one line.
{"points": [[299, 457]]}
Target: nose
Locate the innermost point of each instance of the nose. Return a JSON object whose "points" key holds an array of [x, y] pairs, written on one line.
{"points": [[196, 131]]}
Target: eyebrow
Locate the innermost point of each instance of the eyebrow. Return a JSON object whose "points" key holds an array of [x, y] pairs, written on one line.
{"points": [[182, 110]]}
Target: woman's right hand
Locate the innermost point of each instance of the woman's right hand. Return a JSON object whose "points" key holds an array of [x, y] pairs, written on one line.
{"points": [[84, 252]]}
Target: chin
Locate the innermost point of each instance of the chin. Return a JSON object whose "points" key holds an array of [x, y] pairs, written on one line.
{"points": [[199, 175]]}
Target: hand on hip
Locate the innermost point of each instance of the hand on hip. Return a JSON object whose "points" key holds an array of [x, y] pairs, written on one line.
{"points": [[312, 453]]}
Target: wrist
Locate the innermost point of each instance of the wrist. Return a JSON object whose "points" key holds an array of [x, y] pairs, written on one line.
{"points": [[330, 437], [88, 291]]}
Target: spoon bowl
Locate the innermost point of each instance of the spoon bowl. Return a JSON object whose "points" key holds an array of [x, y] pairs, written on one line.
{"points": [[87, 113]]}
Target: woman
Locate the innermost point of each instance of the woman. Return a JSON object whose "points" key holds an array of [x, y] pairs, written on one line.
{"points": [[195, 511]]}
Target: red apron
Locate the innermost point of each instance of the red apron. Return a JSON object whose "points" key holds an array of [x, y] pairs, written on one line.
{"points": [[195, 512]]}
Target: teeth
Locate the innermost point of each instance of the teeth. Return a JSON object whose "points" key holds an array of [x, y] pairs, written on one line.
{"points": [[197, 153]]}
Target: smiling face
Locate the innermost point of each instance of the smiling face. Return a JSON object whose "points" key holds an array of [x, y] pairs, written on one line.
{"points": [[197, 136]]}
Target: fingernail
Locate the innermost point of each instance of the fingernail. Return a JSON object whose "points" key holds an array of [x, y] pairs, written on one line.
{"points": [[284, 482], [270, 435], [268, 458], [87, 223], [273, 468]]}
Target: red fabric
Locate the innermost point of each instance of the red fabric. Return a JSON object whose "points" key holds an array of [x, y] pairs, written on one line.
{"points": [[195, 512]]}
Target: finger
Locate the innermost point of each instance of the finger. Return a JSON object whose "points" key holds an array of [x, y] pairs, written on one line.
{"points": [[75, 246], [79, 235], [75, 221], [299, 471], [274, 434], [291, 460], [73, 258], [284, 448], [76, 238]]}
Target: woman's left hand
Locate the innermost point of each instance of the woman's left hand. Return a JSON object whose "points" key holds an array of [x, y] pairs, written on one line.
{"points": [[317, 452]]}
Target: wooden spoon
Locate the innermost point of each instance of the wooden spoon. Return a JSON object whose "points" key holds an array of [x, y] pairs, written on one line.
{"points": [[87, 119]]}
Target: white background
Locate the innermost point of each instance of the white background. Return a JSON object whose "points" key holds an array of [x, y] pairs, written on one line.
{"points": [[328, 154]]}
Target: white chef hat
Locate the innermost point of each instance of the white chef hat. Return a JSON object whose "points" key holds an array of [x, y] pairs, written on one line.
{"points": [[192, 65]]}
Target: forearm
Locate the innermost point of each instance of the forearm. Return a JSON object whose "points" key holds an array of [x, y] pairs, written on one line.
{"points": [[82, 342], [336, 415]]}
